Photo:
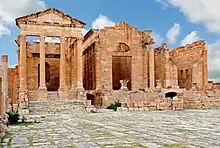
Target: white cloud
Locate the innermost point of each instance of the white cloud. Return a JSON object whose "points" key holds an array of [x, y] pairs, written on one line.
{"points": [[101, 22], [11, 9], [193, 36], [84, 31], [173, 33], [157, 38], [214, 60], [164, 3], [12, 66], [198, 11], [52, 39], [4, 31]]}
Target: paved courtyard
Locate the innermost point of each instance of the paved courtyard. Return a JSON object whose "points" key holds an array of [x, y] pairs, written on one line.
{"points": [[171, 129]]}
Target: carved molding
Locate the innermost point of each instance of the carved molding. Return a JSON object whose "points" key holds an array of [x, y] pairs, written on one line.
{"points": [[122, 47]]}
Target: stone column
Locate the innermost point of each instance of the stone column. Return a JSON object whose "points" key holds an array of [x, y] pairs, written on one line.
{"points": [[97, 66], [73, 65], [62, 63], [205, 71], [5, 83], [23, 57], [151, 66], [42, 64], [63, 92], [23, 72], [168, 71], [79, 64], [42, 91]]}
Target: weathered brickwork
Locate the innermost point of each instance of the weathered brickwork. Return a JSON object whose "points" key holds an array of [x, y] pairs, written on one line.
{"points": [[118, 63], [191, 61]]}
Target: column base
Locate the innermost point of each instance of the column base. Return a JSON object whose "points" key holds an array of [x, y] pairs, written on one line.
{"points": [[42, 94], [63, 94], [42, 88], [80, 88], [81, 95], [23, 98]]}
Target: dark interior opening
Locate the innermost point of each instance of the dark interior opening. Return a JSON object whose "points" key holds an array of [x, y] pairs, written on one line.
{"points": [[171, 95]]}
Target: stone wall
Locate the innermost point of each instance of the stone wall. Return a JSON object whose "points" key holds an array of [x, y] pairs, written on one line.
{"points": [[191, 61], [201, 99], [11, 80], [160, 66], [110, 37], [3, 84], [148, 100]]}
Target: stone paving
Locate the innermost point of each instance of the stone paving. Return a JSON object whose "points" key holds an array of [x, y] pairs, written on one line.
{"points": [[153, 129]]}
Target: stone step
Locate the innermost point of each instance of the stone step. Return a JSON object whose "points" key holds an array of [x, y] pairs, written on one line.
{"points": [[53, 107]]}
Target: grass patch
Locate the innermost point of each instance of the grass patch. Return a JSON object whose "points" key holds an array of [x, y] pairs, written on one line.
{"points": [[148, 139], [181, 130], [22, 123], [30, 141], [7, 135], [172, 146], [9, 143], [52, 142]]}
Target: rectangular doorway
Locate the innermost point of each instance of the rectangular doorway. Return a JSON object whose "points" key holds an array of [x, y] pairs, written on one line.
{"points": [[121, 70]]}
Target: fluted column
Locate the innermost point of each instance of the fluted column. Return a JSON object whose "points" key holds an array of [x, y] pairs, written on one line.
{"points": [[79, 64], [42, 63], [151, 66], [23, 57], [62, 63]]}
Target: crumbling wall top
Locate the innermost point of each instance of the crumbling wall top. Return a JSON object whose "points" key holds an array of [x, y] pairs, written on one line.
{"points": [[197, 45]]}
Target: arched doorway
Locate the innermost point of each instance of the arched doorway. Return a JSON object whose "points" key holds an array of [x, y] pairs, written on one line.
{"points": [[121, 66], [171, 95]]}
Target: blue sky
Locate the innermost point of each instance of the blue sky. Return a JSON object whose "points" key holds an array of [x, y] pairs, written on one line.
{"points": [[186, 21]]}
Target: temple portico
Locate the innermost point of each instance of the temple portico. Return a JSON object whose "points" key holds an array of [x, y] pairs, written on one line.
{"points": [[43, 25]]}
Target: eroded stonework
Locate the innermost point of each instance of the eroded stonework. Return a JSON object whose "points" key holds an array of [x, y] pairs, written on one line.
{"points": [[93, 69], [3, 84]]}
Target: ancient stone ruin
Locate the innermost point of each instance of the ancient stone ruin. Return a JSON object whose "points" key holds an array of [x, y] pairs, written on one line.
{"points": [[106, 65], [3, 84]]}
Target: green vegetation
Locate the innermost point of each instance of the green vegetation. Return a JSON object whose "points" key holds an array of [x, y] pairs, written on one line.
{"points": [[3, 137], [52, 142], [13, 117], [114, 106], [30, 141], [173, 146], [22, 123]]}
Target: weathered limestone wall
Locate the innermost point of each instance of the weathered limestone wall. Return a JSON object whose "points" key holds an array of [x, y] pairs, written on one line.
{"points": [[110, 37], [91, 40], [191, 61], [11, 80], [148, 100], [201, 100], [160, 66], [3, 84], [146, 70], [165, 69]]}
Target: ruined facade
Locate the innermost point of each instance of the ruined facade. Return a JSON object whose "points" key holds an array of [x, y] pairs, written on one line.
{"points": [[114, 63]]}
